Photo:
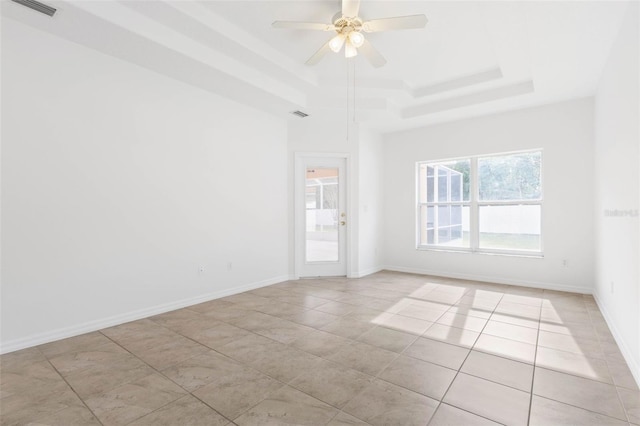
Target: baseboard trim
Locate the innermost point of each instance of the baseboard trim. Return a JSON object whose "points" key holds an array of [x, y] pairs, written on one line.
{"points": [[490, 279], [87, 327], [365, 272], [624, 348]]}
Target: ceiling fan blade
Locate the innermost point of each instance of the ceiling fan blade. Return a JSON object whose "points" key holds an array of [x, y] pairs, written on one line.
{"points": [[319, 54], [372, 55], [396, 23], [350, 8], [296, 25]]}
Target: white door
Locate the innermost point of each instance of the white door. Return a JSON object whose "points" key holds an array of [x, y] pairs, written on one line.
{"points": [[321, 216]]}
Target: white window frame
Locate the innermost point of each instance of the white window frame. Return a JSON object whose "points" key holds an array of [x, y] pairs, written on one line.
{"points": [[474, 208]]}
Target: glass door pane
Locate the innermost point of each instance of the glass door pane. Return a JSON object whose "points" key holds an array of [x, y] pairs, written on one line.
{"points": [[322, 214]]}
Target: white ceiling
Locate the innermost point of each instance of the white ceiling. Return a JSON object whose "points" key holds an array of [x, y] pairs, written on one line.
{"points": [[473, 58]]}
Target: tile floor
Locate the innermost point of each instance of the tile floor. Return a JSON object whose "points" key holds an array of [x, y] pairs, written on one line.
{"points": [[387, 349]]}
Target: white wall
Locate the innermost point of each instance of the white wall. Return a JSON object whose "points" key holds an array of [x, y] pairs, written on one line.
{"points": [[370, 206], [617, 164], [565, 132], [118, 182]]}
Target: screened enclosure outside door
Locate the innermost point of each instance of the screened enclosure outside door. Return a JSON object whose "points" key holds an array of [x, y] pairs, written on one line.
{"points": [[321, 217]]}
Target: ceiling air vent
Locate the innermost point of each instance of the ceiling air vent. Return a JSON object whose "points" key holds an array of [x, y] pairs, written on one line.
{"points": [[36, 5], [300, 114]]}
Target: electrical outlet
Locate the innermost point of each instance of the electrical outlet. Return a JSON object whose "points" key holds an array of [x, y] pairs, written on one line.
{"points": [[201, 269], [229, 266], [565, 263]]}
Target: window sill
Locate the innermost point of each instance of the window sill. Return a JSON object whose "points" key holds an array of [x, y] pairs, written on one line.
{"points": [[533, 255]]}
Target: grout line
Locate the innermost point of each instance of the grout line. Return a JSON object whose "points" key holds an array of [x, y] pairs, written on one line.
{"points": [[533, 377], [73, 390], [462, 364]]}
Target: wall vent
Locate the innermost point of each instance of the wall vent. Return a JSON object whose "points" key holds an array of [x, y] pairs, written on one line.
{"points": [[300, 114], [36, 5]]}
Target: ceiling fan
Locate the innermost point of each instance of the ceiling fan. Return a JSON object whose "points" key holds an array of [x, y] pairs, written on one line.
{"points": [[349, 28]]}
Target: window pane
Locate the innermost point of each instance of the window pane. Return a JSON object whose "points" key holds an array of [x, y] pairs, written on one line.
{"points": [[443, 184], [445, 226], [510, 177], [322, 215], [510, 227]]}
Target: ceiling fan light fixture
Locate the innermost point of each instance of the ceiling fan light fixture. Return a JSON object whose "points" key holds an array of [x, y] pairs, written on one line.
{"points": [[336, 43], [356, 39], [349, 50]]}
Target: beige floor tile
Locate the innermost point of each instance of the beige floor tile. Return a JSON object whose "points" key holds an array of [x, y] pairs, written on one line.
{"points": [[506, 348], [419, 312], [488, 399], [321, 343], [283, 331], [419, 376], [170, 353], [210, 306], [102, 378], [584, 331], [20, 408], [311, 318], [249, 348], [335, 308], [219, 335], [578, 391], [622, 376], [383, 403], [515, 319], [184, 411], [328, 339], [90, 358], [344, 419], [331, 383], [284, 364], [366, 314], [404, 324], [568, 343], [84, 342], [288, 406], [452, 335], [228, 313], [479, 304], [500, 370], [348, 328], [511, 331], [253, 320], [234, 393], [364, 358], [470, 311], [76, 415], [523, 300], [440, 353], [545, 412], [201, 370], [386, 338], [281, 309], [462, 321], [304, 300], [631, 402], [518, 310], [129, 402], [20, 359], [572, 363], [448, 415], [563, 316]]}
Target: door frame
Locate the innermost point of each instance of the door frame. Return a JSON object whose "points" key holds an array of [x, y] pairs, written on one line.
{"points": [[299, 219]]}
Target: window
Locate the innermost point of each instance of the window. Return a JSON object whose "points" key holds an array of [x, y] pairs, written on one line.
{"points": [[489, 204]]}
